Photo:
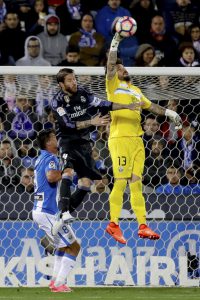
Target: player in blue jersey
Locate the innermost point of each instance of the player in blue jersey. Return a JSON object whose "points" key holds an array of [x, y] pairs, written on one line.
{"points": [[77, 111], [47, 175]]}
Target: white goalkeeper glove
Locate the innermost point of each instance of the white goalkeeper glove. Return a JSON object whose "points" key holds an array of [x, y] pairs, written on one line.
{"points": [[174, 117], [115, 42]]}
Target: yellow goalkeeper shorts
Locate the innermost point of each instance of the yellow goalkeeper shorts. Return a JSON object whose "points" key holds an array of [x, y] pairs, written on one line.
{"points": [[128, 155]]}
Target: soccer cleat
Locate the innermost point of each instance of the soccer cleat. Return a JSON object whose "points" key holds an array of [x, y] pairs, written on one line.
{"points": [[65, 219], [61, 289], [145, 232], [115, 231], [51, 284]]}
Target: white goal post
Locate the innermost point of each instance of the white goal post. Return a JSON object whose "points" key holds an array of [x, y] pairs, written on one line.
{"points": [[171, 261]]}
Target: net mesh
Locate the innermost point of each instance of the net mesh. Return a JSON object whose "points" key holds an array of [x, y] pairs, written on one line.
{"points": [[172, 209]]}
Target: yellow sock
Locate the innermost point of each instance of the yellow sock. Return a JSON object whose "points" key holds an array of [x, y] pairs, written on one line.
{"points": [[116, 199], [137, 201]]}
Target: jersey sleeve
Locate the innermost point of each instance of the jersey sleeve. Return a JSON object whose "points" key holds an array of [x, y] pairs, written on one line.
{"points": [[99, 103], [52, 164], [147, 102]]}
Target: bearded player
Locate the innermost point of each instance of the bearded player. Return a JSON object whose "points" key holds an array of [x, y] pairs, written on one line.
{"points": [[126, 145]]}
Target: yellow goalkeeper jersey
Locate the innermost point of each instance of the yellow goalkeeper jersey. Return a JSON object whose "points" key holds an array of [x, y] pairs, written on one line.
{"points": [[124, 121]]}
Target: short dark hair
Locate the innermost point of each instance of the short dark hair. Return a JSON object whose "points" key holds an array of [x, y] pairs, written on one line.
{"points": [[43, 137], [62, 73], [33, 38], [72, 48]]}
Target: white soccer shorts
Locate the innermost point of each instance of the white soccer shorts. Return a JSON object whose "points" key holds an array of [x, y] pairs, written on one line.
{"points": [[65, 236]]}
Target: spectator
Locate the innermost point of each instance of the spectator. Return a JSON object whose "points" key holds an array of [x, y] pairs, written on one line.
{"points": [[12, 40], [142, 11], [101, 186], [188, 146], [90, 42], [9, 94], [194, 34], [179, 17], [106, 16], [70, 14], [72, 57], [54, 43], [3, 106], [49, 123], [99, 163], [9, 164], [147, 57], [188, 56], [24, 122], [33, 53], [163, 43], [154, 169], [192, 175], [22, 8], [27, 153], [3, 11], [173, 186], [26, 183], [53, 4], [36, 17], [3, 133], [44, 94], [174, 175], [151, 128]]}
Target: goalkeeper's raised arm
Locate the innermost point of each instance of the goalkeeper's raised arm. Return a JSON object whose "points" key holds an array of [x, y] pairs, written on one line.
{"points": [[112, 56], [114, 65]]}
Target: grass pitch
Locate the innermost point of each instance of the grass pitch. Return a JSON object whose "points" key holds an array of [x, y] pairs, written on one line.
{"points": [[113, 293]]}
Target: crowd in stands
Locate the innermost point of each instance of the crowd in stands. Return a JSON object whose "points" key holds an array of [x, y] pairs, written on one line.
{"points": [[172, 164], [48, 32], [78, 33]]}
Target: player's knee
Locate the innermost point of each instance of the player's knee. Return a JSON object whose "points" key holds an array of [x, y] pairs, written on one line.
{"points": [[68, 172], [120, 184], [136, 186], [73, 249], [134, 178], [85, 182]]}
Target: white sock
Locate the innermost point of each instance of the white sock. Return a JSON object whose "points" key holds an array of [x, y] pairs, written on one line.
{"points": [[57, 263], [67, 264]]}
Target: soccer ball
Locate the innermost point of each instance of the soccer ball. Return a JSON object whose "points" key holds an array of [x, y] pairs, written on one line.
{"points": [[126, 26]]}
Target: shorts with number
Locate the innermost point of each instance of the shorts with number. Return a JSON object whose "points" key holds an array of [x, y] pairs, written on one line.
{"points": [[78, 156], [128, 155], [65, 236]]}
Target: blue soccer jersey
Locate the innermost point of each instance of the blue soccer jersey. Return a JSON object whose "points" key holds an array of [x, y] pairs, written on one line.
{"points": [[45, 195]]}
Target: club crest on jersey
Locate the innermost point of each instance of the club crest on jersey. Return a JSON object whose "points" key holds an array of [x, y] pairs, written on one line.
{"points": [[52, 165], [66, 98], [121, 169], [61, 111], [83, 99]]}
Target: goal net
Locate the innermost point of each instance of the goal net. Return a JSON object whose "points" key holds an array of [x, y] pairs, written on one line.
{"points": [[170, 184]]}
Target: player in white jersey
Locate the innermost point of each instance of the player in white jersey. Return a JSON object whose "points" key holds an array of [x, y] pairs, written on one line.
{"points": [[47, 175]]}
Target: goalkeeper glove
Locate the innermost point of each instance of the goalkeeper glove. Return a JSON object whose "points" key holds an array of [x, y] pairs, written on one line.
{"points": [[115, 42], [174, 117]]}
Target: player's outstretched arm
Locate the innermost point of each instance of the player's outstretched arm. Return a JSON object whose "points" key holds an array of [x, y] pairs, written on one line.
{"points": [[159, 110], [112, 56], [98, 120]]}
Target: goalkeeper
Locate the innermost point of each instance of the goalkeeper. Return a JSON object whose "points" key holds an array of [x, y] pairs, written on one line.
{"points": [[126, 145]]}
